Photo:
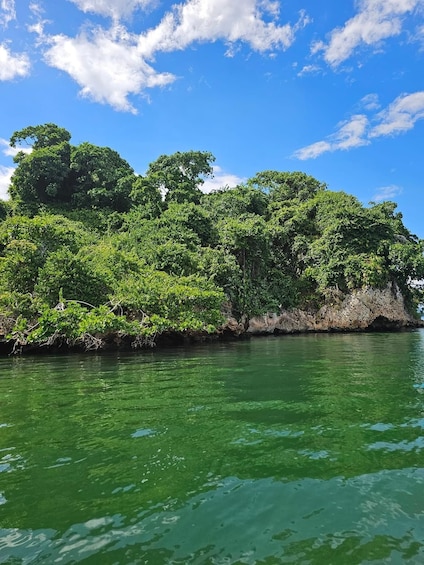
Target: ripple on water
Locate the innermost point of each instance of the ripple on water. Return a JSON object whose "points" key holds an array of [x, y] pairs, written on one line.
{"points": [[289, 522], [292, 450]]}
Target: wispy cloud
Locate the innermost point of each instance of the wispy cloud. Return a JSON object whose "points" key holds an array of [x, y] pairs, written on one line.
{"points": [[370, 102], [400, 116], [12, 151], [419, 35], [221, 179], [112, 64], [314, 150], [350, 134], [37, 12], [5, 171], [13, 65], [7, 12], [6, 149], [5, 176], [270, 6], [115, 9], [308, 70], [375, 21], [387, 193]]}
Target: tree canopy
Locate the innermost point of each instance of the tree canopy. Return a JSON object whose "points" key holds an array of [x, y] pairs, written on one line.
{"points": [[179, 176], [57, 173]]}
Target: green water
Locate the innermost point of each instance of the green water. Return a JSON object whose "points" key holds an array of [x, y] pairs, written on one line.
{"points": [[302, 449]]}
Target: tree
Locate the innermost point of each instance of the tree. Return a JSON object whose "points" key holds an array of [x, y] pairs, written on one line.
{"points": [[4, 210], [247, 238], [46, 135], [55, 173], [286, 186], [179, 176], [172, 303], [187, 216], [100, 178], [26, 243], [70, 275], [41, 176], [233, 202], [146, 196]]}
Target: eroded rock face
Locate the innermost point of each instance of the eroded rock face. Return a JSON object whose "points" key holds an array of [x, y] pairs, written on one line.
{"points": [[365, 309]]}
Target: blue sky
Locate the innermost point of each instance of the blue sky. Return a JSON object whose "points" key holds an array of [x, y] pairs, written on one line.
{"points": [[331, 88]]}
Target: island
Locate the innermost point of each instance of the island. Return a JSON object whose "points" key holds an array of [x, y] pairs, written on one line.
{"points": [[94, 256]]}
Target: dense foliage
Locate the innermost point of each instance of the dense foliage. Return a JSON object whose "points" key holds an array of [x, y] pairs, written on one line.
{"points": [[90, 251]]}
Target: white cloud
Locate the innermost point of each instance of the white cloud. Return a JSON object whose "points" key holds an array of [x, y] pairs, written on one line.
{"points": [[115, 9], [7, 172], [312, 151], [401, 115], [38, 27], [12, 151], [220, 179], [387, 193], [309, 69], [349, 135], [7, 12], [370, 102], [270, 6], [107, 65], [110, 65], [5, 176], [419, 37], [12, 65], [6, 149], [211, 20], [36, 9], [376, 20]]}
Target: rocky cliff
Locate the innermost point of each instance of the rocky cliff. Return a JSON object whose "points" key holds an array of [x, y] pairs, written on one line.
{"points": [[365, 309]]}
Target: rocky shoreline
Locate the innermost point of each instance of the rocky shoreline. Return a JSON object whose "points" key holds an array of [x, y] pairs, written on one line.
{"points": [[366, 309]]}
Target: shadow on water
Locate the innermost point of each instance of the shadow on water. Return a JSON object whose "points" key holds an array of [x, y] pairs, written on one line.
{"points": [[297, 449]]}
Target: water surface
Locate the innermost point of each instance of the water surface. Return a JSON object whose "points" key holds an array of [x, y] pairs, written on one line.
{"points": [[298, 449]]}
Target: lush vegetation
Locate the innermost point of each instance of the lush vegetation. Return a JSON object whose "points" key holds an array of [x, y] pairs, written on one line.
{"points": [[91, 252]]}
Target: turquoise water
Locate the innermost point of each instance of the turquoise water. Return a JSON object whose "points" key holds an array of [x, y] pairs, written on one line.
{"points": [[297, 449]]}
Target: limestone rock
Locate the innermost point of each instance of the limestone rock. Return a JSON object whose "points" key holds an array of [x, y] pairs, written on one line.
{"points": [[363, 309]]}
